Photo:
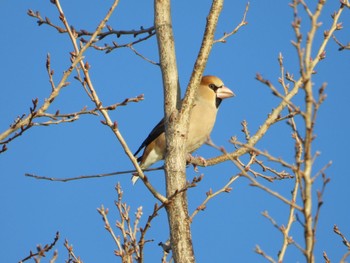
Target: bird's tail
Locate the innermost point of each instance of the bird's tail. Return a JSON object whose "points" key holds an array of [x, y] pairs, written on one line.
{"points": [[134, 178]]}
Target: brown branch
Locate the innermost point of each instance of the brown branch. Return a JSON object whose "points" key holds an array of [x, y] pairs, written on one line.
{"points": [[55, 122], [259, 251], [71, 255], [339, 233], [150, 31], [94, 96], [327, 260], [284, 230], [67, 179], [273, 193], [334, 27], [272, 221], [175, 155], [279, 175], [276, 93], [127, 244], [143, 57], [166, 246], [307, 69], [26, 122], [345, 3], [210, 195], [59, 118], [320, 195], [103, 212], [50, 71], [341, 46], [234, 31], [291, 218], [42, 250], [109, 48], [123, 103], [344, 257], [264, 153], [45, 21], [283, 77], [129, 230], [17, 125], [245, 130], [147, 226], [255, 183], [77, 58]]}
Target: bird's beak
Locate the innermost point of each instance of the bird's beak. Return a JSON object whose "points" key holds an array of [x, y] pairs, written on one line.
{"points": [[224, 92]]}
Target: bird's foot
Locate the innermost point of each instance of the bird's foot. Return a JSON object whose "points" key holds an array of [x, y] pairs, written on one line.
{"points": [[195, 161], [202, 160]]}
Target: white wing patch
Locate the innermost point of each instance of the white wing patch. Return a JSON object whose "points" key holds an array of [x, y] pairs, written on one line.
{"points": [[152, 157]]}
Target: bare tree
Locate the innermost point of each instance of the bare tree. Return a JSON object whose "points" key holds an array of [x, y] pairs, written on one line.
{"points": [[130, 243]]}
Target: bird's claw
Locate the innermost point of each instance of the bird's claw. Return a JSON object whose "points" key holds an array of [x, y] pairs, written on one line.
{"points": [[192, 160]]}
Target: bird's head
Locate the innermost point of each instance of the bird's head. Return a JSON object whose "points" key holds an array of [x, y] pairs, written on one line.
{"points": [[212, 88]]}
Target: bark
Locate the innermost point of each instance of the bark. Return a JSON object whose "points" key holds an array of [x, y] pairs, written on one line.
{"points": [[177, 123], [177, 210]]}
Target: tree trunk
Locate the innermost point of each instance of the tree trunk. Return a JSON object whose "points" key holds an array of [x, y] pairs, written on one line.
{"points": [[175, 170], [177, 122]]}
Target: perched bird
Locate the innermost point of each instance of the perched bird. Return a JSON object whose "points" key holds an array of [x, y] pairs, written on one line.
{"points": [[202, 118]]}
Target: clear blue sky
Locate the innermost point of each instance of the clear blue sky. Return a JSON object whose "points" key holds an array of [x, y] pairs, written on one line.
{"points": [[228, 230]]}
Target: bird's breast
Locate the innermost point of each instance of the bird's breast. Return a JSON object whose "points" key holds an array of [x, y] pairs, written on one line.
{"points": [[202, 121]]}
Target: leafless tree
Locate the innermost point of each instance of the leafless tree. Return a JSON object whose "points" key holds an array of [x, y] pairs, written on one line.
{"points": [[301, 118]]}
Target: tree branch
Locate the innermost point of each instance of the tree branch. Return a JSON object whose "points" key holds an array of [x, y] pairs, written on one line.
{"points": [[235, 30], [42, 250]]}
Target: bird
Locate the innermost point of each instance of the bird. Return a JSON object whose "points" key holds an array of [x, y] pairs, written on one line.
{"points": [[210, 94]]}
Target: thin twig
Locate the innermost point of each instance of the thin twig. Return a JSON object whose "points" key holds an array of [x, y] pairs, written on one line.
{"points": [[39, 177], [272, 221], [109, 48], [143, 57], [210, 195], [234, 31], [344, 257], [338, 232], [325, 256], [150, 31], [71, 255], [42, 250], [291, 220], [341, 46], [92, 93], [103, 212], [255, 183], [26, 122], [259, 251], [265, 154]]}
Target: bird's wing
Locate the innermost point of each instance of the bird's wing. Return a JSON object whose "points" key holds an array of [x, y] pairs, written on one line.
{"points": [[157, 130]]}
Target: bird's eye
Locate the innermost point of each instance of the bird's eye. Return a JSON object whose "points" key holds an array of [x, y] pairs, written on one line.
{"points": [[213, 87]]}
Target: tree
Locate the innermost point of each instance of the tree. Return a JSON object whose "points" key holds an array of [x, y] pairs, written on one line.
{"points": [[296, 104]]}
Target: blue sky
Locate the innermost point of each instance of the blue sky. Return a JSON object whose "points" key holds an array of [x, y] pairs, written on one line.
{"points": [[32, 211]]}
